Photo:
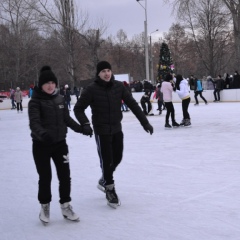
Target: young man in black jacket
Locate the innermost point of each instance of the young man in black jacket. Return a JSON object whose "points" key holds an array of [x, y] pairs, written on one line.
{"points": [[48, 120], [105, 96]]}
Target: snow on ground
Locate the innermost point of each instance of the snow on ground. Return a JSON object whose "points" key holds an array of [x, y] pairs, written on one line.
{"points": [[180, 184]]}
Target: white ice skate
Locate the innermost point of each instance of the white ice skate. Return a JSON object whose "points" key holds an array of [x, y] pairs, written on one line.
{"points": [[68, 212], [45, 213]]}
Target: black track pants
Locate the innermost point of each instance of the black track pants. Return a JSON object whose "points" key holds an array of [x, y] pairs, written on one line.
{"points": [[110, 151]]}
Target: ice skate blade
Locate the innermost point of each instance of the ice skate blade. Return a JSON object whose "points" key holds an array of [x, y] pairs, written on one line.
{"points": [[44, 223], [74, 220], [101, 188], [114, 205]]}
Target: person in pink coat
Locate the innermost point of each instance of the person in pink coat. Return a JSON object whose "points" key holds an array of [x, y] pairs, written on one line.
{"points": [[167, 89]]}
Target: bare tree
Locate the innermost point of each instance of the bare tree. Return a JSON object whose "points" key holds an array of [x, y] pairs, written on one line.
{"points": [[19, 18], [62, 17], [234, 8], [93, 41], [208, 23], [181, 51]]}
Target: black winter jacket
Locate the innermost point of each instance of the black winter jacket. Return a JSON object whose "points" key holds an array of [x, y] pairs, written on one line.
{"points": [[48, 114], [105, 100]]}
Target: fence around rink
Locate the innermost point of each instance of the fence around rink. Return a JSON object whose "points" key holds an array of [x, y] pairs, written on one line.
{"points": [[227, 95]]}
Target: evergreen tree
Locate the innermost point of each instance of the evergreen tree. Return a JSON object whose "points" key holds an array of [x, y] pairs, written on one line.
{"points": [[165, 62]]}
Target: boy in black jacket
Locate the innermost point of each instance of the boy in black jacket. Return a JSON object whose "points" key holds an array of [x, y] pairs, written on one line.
{"points": [[48, 120], [105, 96]]}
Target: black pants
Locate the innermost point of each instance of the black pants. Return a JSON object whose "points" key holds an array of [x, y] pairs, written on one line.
{"points": [[201, 96], [42, 156], [110, 151], [160, 104], [185, 104], [19, 106], [147, 109], [216, 94], [170, 111]]}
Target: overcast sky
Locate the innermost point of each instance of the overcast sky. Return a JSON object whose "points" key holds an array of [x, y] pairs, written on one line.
{"points": [[129, 15]]}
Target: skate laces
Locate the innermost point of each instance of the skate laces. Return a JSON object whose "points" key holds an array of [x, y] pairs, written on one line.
{"points": [[69, 210], [45, 208], [111, 194]]}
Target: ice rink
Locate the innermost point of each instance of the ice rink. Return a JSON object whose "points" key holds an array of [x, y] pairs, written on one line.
{"points": [[179, 184]]}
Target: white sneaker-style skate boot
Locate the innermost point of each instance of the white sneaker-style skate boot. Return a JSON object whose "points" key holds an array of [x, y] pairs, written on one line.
{"points": [[68, 213], [45, 213]]}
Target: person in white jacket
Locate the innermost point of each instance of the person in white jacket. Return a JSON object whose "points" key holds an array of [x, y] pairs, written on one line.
{"points": [[183, 91]]}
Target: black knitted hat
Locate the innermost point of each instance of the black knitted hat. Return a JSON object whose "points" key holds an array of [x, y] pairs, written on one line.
{"points": [[103, 65], [46, 75]]}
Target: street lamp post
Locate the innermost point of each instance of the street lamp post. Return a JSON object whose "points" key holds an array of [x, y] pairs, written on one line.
{"points": [[145, 38], [151, 57]]}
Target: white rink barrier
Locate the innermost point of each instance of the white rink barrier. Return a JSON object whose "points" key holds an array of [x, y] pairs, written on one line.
{"points": [[227, 95]]}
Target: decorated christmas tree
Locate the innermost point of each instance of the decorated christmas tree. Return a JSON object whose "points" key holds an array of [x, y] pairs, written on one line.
{"points": [[165, 62]]}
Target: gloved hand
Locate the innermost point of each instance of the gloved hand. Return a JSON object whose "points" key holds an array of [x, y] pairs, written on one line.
{"points": [[87, 130], [148, 128], [47, 138]]}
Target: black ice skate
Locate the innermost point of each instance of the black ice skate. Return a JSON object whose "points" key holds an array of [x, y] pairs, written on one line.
{"points": [[182, 123], [187, 123], [175, 124], [111, 196], [168, 126], [101, 186]]}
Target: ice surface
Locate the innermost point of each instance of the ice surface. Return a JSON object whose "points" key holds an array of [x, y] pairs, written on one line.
{"points": [[180, 184]]}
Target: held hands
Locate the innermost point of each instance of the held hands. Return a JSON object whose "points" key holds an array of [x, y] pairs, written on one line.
{"points": [[87, 130], [148, 128]]}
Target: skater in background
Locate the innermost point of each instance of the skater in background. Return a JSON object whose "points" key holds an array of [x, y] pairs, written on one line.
{"points": [[18, 97], [183, 91], [30, 91], [48, 120], [124, 105], [76, 92], [146, 103], [218, 87], [226, 79], [236, 80], [191, 82], [12, 93], [104, 96], [167, 89], [198, 89], [67, 96], [210, 84], [159, 96]]}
